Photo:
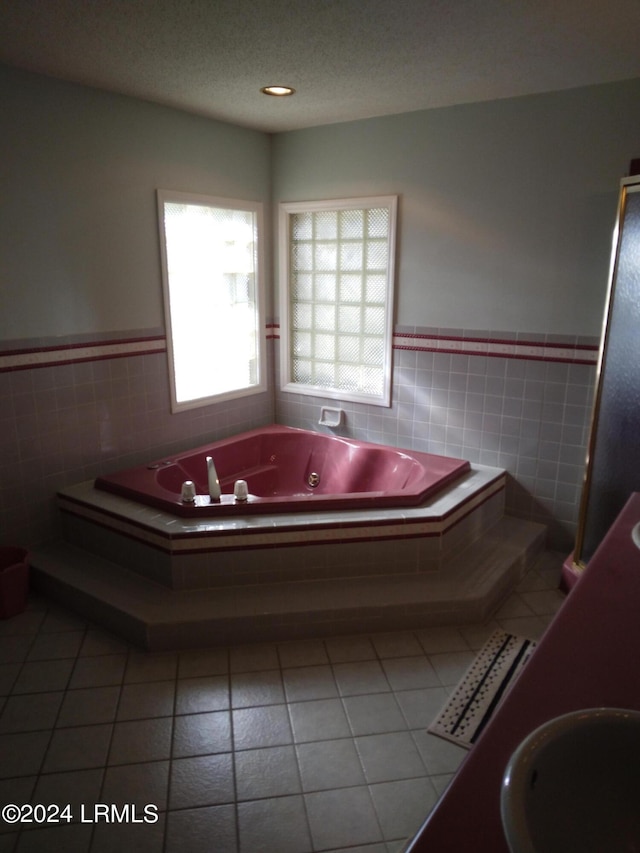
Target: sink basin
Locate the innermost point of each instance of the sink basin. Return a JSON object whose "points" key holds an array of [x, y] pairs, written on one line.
{"points": [[635, 535], [574, 785]]}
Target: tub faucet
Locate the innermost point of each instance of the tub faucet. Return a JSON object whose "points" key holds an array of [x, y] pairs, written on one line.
{"points": [[214, 482]]}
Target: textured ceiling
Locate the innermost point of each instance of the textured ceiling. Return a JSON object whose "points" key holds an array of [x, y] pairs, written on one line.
{"points": [[347, 59]]}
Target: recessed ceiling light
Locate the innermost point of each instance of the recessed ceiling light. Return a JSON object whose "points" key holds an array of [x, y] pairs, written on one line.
{"points": [[277, 91]]}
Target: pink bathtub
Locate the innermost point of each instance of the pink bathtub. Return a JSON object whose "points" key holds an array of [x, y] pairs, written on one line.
{"points": [[288, 470]]}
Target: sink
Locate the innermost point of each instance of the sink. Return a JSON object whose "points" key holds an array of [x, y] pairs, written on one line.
{"points": [[574, 785], [635, 535]]}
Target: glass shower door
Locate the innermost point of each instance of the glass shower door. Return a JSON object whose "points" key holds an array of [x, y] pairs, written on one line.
{"points": [[613, 464]]}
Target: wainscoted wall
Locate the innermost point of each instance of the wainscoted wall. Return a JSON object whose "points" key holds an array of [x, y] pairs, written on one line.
{"points": [[519, 402], [506, 213], [83, 372], [72, 408], [506, 210]]}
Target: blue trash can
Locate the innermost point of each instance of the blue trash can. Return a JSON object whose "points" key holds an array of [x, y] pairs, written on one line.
{"points": [[14, 581]]}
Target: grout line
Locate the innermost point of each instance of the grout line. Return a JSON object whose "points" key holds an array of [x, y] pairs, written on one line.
{"points": [[232, 745], [176, 679], [110, 744]]}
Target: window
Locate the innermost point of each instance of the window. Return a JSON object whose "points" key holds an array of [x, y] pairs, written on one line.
{"points": [[211, 271], [337, 297]]}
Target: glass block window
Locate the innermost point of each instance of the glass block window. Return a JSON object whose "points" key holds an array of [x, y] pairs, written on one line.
{"points": [[337, 297], [213, 297]]}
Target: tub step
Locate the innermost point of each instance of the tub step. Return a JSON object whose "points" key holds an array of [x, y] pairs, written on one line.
{"points": [[157, 618]]}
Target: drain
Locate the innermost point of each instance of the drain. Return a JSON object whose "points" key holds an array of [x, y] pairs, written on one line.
{"points": [[313, 480]]}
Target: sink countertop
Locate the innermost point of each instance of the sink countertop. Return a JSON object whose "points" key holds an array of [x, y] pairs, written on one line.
{"points": [[588, 657]]}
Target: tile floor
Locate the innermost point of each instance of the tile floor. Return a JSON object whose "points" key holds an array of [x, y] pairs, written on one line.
{"points": [[290, 747]]}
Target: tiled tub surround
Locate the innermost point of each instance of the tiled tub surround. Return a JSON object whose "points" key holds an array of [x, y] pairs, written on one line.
{"points": [[187, 553], [164, 581], [522, 402], [73, 408], [278, 748], [76, 407]]}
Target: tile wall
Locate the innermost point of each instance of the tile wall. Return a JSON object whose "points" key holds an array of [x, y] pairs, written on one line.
{"points": [[64, 419], [70, 409], [519, 402]]}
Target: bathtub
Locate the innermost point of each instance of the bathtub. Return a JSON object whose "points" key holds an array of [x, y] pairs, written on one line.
{"points": [[288, 470]]}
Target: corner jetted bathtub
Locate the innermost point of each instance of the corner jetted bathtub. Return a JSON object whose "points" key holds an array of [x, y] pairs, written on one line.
{"points": [[288, 470]]}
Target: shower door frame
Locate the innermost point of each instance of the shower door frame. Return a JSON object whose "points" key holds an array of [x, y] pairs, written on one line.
{"points": [[627, 185]]}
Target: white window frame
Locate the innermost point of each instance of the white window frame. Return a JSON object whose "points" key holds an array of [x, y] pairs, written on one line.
{"points": [[286, 211], [256, 208]]}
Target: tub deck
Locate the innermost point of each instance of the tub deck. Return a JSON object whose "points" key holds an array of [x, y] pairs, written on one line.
{"points": [[167, 582]]}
